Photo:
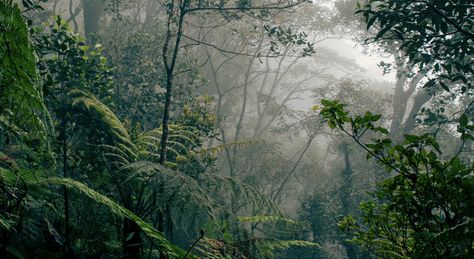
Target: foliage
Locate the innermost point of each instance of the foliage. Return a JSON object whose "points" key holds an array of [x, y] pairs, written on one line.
{"points": [[285, 36], [66, 63], [137, 173], [425, 208], [23, 115], [431, 33], [34, 179], [137, 75], [107, 147], [278, 236], [170, 249]]}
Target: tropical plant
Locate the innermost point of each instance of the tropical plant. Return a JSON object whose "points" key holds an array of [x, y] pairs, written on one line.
{"points": [[424, 208], [23, 115], [432, 33]]}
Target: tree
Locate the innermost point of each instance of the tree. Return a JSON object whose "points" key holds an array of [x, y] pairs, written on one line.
{"points": [[344, 177], [92, 12], [28, 180], [424, 208], [81, 150], [175, 22], [409, 100], [431, 34]]}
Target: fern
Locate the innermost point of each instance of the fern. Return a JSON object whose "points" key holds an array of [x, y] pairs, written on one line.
{"points": [[267, 246], [105, 121], [21, 99], [216, 150], [212, 248], [187, 198], [180, 192], [170, 249], [260, 219], [246, 194], [32, 178], [182, 139], [284, 244]]}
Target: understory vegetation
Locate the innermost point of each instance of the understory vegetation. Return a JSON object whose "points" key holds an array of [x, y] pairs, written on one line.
{"points": [[236, 129]]}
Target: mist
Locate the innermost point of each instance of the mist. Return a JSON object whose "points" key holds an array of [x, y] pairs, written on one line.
{"points": [[236, 129]]}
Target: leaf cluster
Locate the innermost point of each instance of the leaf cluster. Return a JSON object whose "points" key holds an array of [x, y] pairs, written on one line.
{"points": [[424, 208], [432, 34]]}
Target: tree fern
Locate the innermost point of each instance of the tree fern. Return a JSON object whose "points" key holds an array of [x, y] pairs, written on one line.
{"points": [[36, 178], [248, 196], [168, 248], [136, 169], [182, 139]]}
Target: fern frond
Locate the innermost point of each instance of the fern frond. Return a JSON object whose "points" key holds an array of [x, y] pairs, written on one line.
{"points": [[244, 193], [211, 248], [177, 144], [215, 150], [179, 191], [181, 140], [284, 244], [168, 248], [104, 120], [23, 176], [21, 98], [263, 219]]}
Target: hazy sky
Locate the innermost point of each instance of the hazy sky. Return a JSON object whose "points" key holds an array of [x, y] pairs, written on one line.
{"points": [[348, 48]]}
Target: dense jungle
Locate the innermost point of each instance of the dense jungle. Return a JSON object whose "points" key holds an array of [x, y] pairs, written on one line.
{"points": [[236, 129]]}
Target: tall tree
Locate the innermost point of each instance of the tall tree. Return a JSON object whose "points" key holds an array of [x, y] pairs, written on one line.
{"points": [[177, 11], [421, 210]]}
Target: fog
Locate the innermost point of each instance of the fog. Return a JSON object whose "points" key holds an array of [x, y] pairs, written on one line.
{"points": [[199, 126]]}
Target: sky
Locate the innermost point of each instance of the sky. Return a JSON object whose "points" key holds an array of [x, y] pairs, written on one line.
{"points": [[350, 49]]}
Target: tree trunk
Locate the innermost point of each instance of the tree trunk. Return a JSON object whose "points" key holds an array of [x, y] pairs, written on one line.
{"points": [[131, 240], [346, 200], [169, 67], [93, 10]]}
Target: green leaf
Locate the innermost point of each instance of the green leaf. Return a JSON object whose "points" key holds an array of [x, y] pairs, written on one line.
{"points": [[430, 83], [371, 21], [382, 130], [464, 120], [444, 86], [326, 102], [412, 138]]}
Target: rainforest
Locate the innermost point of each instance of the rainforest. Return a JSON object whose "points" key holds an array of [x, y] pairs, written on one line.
{"points": [[236, 129]]}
